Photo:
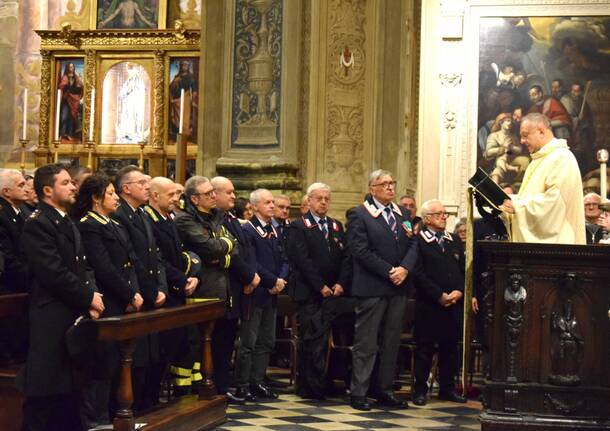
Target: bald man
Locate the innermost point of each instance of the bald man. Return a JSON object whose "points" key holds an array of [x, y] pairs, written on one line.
{"points": [[163, 201]]}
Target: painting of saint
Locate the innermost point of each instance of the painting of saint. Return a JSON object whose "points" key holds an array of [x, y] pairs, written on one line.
{"points": [[70, 82], [184, 75], [126, 104], [127, 14], [558, 66]]}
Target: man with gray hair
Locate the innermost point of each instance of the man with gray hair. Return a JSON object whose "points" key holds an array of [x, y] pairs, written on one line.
{"points": [[548, 207], [320, 277], [593, 212], [257, 332], [384, 252]]}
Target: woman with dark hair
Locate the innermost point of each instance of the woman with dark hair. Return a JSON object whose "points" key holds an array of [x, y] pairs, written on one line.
{"points": [[112, 258], [243, 209]]}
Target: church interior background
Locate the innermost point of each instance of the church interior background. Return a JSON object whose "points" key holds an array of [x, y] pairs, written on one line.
{"points": [[281, 93]]}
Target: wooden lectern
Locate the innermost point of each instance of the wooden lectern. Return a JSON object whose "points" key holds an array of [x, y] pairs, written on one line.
{"points": [[548, 328]]}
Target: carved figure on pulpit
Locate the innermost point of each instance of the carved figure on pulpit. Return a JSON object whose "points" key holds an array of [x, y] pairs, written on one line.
{"points": [[515, 296], [130, 121], [567, 347]]}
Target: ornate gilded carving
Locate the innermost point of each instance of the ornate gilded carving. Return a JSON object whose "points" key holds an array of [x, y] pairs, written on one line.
{"points": [[89, 86], [159, 107], [45, 91], [257, 73], [69, 35], [91, 39], [450, 79], [345, 93], [567, 345], [515, 296]]}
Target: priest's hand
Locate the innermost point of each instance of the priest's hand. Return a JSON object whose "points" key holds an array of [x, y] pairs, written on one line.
{"points": [[507, 206]]}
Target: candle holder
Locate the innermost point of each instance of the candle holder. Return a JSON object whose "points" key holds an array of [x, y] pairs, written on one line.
{"points": [[141, 162], [24, 143], [90, 147], [181, 141], [56, 143]]}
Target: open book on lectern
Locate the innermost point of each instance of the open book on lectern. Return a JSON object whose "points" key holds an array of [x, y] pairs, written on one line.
{"points": [[488, 188]]}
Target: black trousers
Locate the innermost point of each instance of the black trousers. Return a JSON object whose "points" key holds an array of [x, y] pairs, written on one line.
{"points": [[448, 362], [51, 413], [315, 320], [223, 344]]}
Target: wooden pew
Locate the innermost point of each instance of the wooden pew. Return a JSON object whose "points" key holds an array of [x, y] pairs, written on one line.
{"points": [[11, 399], [190, 413]]}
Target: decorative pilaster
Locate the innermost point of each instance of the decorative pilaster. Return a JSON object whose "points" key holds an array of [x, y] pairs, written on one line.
{"points": [[90, 79], [45, 91], [159, 104]]}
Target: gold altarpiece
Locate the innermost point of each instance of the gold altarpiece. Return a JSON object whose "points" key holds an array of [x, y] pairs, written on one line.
{"points": [[100, 50]]}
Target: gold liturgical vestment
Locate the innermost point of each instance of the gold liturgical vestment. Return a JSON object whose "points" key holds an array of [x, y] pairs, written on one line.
{"points": [[549, 207]]}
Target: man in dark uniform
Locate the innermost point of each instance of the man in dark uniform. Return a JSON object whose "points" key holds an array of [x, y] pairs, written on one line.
{"points": [[175, 343], [61, 290], [320, 277], [201, 229], [380, 239], [14, 278], [257, 332], [439, 281], [243, 279], [133, 187]]}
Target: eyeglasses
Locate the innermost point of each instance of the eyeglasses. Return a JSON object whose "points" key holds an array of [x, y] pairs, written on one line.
{"points": [[439, 214], [592, 205], [141, 183], [385, 184], [206, 194]]}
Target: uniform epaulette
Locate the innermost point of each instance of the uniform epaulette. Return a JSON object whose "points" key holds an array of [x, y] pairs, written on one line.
{"points": [[151, 213], [427, 236], [97, 218], [83, 219]]}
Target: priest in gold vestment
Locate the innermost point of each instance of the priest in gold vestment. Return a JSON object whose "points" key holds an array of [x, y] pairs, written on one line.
{"points": [[548, 207]]}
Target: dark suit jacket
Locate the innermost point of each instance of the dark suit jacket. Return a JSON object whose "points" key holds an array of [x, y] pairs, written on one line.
{"points": [[438, 272], [375, 250], [61, 289], [314, 262], [149, 265], [168, 240], [271, 262], [14, 278], [243, 265], [112, 258]]}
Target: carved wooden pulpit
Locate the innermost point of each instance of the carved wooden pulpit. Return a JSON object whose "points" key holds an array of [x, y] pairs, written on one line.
{"points": [[548, 328]]}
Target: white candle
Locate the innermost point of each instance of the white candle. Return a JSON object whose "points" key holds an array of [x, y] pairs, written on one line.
{"points": [[181, 111], [24, 132], [92, 116], [57, 109]]}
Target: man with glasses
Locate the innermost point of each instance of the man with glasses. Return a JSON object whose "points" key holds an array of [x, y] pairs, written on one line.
{"points": [[201, 229], [380, 238], [595, 231], [439, 282], [133, 187]]}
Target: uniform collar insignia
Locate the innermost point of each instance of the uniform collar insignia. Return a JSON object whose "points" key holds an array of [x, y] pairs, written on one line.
{"points": [[308, 223], [427, 235], [372, 209]]}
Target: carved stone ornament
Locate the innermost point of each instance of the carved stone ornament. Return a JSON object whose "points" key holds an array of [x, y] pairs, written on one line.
{"points": [[45, 85], [562, 407], [54, 40], [450, 120], [515, 297], [450, 79], [567, 347]]}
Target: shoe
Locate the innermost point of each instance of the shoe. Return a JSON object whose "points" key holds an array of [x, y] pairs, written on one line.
{"points": [[391, 400], [419, 399], [262, 391], [275, 384], [244, 393], [452, 396], [360, 403], [234, 399]]}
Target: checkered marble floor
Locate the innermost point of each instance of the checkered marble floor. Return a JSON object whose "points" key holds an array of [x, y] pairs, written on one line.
{"points": [[292, 413]]}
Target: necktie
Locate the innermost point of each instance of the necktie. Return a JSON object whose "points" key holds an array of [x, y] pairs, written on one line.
{"points": [[324, 228], [440, 240], [269, 230], [391, 220]]}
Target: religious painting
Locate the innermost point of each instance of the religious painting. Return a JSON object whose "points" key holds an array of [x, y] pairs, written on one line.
{"points": [[188, 11], [558, 66], [69, 99], [126, 104], [183, 75], [128, 14]]}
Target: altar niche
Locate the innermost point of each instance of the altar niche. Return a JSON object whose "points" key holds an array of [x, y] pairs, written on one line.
{"points": [[110, 95]]}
